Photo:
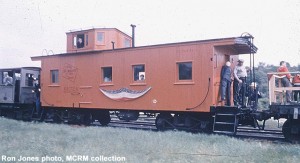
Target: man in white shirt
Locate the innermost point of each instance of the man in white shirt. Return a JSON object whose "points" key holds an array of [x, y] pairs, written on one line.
{"points": [[240, 75]]}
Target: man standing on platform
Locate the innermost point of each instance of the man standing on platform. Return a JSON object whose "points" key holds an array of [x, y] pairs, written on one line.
{"points": [[296, 83], [240, 75], [285, 80], [226, 83]]}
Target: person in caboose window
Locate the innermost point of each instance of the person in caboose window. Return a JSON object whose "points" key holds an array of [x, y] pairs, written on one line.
{"points": [[142, 77], [285, 80], [240, 75], [107, 79], [226, 83], [80, 43], [7, 80], [30, 79], [296, 83]]}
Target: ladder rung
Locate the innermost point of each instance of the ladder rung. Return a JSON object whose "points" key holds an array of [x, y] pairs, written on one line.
{"points": [[224, 132], [36, 119], [224, 123], [224, 114]]}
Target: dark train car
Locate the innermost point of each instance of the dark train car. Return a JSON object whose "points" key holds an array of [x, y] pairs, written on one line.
{"points": [[177, 80], [16, 90]]}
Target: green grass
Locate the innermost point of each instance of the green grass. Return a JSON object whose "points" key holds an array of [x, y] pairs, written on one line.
{"points": [[40, 139]]}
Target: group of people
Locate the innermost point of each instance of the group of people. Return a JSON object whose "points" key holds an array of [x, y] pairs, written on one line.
{"points": [[239, 77], [286, 79]]}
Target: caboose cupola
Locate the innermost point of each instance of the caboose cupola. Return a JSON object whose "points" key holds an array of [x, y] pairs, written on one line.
{"points": [[97, 39]]}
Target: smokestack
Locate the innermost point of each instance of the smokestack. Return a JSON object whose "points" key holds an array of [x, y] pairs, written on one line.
{"points": [[133, 26], [113, 45]]}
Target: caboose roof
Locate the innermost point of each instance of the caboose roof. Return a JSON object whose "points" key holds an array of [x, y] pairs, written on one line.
{"points": [[89, 29], [241, 45], [19, 68]]}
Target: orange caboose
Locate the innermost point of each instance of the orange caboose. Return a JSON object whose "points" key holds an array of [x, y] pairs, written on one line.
{"points": [[176, 80]]}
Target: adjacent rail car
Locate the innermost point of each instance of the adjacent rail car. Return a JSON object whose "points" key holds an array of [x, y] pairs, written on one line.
{"points": [[16, 90], [281, 108]]}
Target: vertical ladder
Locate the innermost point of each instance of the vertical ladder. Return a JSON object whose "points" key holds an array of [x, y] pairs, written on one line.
{"points": [[225, 120]]}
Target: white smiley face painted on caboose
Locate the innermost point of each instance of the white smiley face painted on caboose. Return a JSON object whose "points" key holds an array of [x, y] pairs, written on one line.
{"points": [[124, 94]]}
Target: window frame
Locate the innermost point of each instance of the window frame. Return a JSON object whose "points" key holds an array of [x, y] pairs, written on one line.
{"points": [[133, 72], [51, 76], [103, 77], [29, 82], [103, 38], [2, 77], [82, 36], [127, 40], [75, 41], [10, 74], [86, 40], [178, 75]]}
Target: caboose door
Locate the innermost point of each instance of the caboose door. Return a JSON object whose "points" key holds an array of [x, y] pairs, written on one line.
{"points": [[219, 61]]}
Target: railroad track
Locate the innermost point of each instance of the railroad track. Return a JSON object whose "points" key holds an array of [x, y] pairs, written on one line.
{"points": [[143, 125], [275, 136], [248, 133]]}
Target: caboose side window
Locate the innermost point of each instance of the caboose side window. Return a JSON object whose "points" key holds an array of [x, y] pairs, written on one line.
{"points": [[29, 80], [74, 41], [107, 74], [139, 72], [7, 78], [100, 37], [80, 41], [185, 70], [54, 76], [127, 43], [86, 40], [2, 78]]}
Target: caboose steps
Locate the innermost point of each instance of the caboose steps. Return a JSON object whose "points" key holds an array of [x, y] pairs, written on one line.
{"points": [[225, 120], [224, 123], [37, 116], [224, 132]]}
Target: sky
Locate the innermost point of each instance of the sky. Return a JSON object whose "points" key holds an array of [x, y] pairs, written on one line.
{"points": [[37, 27]]}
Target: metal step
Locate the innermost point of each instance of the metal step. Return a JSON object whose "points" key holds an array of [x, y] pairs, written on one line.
{"points": [[223, 114], [36, 119], [224, 123], [224, 132]]}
